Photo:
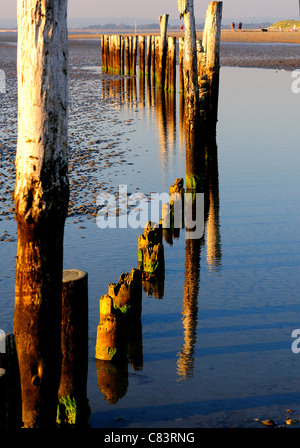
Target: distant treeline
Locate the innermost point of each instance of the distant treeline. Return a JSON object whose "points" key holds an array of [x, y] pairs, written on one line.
{"points": [[155, 26]]}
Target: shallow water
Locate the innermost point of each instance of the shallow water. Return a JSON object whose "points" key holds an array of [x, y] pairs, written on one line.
{"points": [[216, 347]]}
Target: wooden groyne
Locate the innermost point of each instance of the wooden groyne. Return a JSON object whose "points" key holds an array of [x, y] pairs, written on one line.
{"points": [[158, 55]]}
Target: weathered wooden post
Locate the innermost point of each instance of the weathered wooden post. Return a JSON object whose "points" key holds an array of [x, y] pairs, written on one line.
{"points": [[127, 293], [41, 203], [170, 80], [119, 309], [194, 152], [163, 44], [111, 342], [151, 251], [134, 42], [72, 394], [181, 53], [148, 55], [127, 55], [153, 56], [211, 62], [142, 58]]}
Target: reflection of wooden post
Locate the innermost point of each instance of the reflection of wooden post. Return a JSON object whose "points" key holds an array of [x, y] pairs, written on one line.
{"points": [[72, 394], [185, 363], [41, 202], [112, 379]]}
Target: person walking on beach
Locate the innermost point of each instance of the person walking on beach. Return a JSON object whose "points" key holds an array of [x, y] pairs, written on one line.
{"points": [[233, 26], [240, 26]]}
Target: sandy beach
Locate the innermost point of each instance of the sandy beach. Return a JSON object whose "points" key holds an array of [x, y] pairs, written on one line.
{"points": [[247, 48]]}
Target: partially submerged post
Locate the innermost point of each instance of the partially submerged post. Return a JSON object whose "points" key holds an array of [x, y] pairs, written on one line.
{"points": [[41, 202], [151, 251], [119, 309]]}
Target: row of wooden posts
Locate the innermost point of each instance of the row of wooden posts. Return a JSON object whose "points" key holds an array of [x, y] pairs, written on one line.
{"points": [[120, 309], [142, 55]]}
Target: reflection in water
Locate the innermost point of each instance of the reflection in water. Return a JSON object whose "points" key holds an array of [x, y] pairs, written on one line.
{"points": [[142, 92], [205, 165], [192, 260], [213, 234], [112, 380], [190, 306]]}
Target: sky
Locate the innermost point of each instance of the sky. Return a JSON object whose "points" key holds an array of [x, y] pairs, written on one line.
{"points": [[283, 9]]}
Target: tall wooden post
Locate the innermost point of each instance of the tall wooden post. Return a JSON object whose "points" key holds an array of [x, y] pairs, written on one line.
{"points": [[148, 55], [41, 202], [127, 55], [142, 59], [163, 44], [194, 152], [170, 79], [181, 53], [153, 58], [211, 63]]}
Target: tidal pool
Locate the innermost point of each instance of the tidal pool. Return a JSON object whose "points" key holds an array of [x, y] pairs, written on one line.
{"points": [[215, 348]]}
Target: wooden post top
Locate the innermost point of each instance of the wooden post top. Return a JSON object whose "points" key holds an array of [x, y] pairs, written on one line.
{"points": [[71, 275]]}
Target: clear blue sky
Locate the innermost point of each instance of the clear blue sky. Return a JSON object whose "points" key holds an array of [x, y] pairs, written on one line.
{"points": [[284, 9]]}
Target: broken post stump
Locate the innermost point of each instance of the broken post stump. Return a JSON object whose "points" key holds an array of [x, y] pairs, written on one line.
{"points": [[151, 251], [72, 394], [111, 342], [41, 203], [127, 293]]}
